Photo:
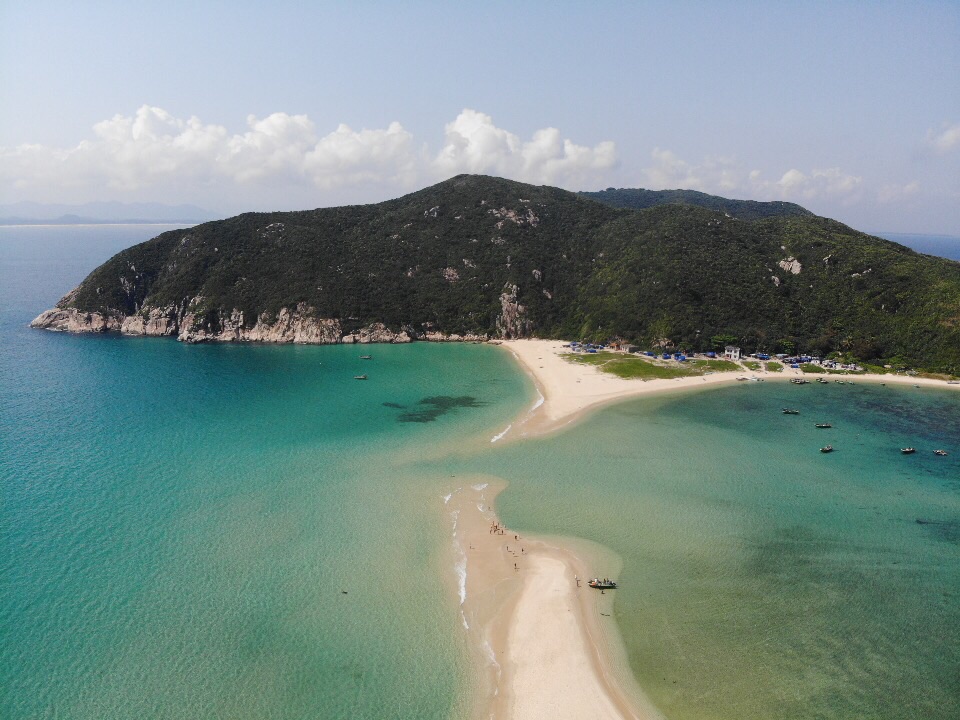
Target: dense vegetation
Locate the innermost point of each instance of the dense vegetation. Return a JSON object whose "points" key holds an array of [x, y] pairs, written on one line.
{"points": [[672, 275], [640, 199]]}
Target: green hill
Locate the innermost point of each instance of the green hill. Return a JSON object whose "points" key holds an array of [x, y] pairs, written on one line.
{"points": [[490, 257], [640, 199]]}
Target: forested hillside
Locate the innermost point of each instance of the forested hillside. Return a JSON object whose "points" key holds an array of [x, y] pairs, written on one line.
{"points": [[493, 257]]}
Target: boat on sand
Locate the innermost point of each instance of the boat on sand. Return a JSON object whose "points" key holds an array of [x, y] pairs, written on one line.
{"points": [[605, 584]]}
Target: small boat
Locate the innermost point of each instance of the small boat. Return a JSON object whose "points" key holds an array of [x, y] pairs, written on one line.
{"points": [[908, 451], [826, 449], [823, 426], [359, 377], [822, 381], [953, 382], [800, 381], [788, 411], [941, 453], [605, 584], [839, 382], [366, 357]]}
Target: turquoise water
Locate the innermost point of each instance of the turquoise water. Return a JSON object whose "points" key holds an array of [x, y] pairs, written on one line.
{"points": [[179, 522]]}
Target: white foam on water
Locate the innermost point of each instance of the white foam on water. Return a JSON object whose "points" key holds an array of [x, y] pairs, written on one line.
{"points": [[479, 487], [538, 403], [460, 566], [446, 498], [492, 658], [500, 435]]}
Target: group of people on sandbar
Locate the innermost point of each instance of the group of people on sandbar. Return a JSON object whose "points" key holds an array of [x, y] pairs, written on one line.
{"points": [[497, 529]]}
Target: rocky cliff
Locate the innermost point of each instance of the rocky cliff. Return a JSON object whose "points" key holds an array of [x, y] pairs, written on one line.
{"points": [[299, 326]]}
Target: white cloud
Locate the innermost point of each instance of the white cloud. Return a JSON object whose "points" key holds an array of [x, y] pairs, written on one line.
{"points": [[896, 193], [832, 182], [473, 144], [153, 151], [714, 174], [947, 139], [725, 176]]}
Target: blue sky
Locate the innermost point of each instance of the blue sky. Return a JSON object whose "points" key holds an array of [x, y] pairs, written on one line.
{"points": [[850, 109]]}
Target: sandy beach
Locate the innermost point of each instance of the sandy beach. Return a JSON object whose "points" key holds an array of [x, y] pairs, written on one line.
{"points": [[536, 631], [570, 390]]}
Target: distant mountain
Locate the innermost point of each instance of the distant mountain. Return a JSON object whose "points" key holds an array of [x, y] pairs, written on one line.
{"points": [[31, 213], [640, 199], [481, 257]]}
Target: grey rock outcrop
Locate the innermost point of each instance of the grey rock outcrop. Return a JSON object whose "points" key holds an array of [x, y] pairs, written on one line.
{"points": [[299, 325], [512, 321]]}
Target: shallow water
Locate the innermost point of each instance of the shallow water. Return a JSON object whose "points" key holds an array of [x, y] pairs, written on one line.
{"points": [[179, 524]]}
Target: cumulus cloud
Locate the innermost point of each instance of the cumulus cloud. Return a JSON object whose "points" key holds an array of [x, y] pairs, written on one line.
{"points": [[473, 144], [818, 183], [154, 151], [947, 139], [724, 175]]}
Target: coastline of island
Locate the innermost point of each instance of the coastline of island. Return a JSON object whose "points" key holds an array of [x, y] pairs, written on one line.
{"points": [[569, 391]]}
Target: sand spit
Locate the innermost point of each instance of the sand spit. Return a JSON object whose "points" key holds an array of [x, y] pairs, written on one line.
{"points": [[570, 390], [534, 631]]}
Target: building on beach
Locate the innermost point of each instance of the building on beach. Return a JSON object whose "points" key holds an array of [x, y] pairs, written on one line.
{"points": [[731, 352]]}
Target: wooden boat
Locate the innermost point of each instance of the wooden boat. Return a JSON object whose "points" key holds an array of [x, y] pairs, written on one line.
{"points": [[908, 451], [366, 357], [823, 426], [788, 411], [941, 453], [359, 377], [605, 584], [828, 448]]}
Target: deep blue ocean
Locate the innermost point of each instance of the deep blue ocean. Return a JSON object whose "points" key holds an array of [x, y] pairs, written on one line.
{"points": [[220, 531]]}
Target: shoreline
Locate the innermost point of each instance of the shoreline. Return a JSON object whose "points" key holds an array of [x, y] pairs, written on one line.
{"points": [[570, 391], [537, 637]]}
